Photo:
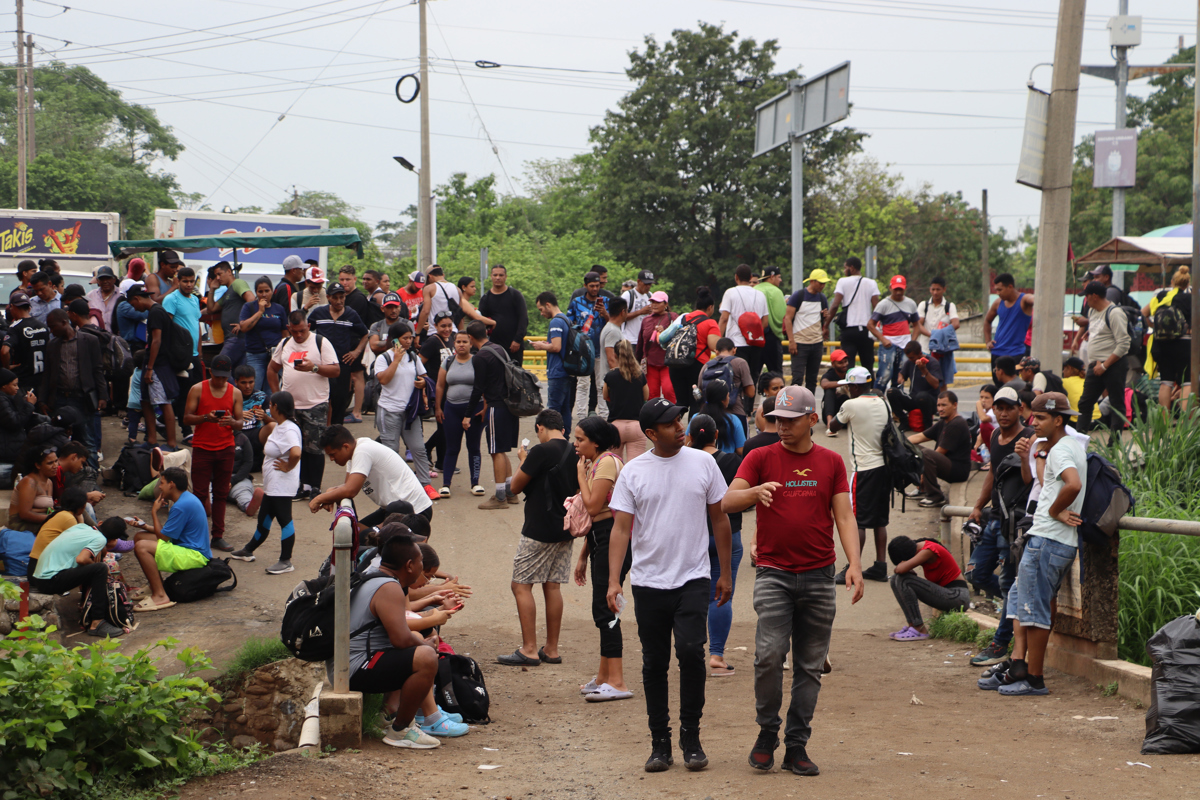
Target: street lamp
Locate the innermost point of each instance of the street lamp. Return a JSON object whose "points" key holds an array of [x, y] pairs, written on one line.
{"points": [[421, 211], [408, 165]]}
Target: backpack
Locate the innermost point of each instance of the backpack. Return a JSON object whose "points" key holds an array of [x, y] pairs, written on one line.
{"points": [[308, 617], [119, 610], [132, 467], [460, 689], [718, 369], [115, 355], [681, 350], [1169, 321], [578, 353], [1135, 324], [902, 458], [452, 305], [752, 329], [1013, 492], [522, 395], [1053, 382], [1105, 501], [196, 584]]}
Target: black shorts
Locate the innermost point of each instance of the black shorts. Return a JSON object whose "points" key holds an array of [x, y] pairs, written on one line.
{"points": [[502, 429], [1173, 358], [870, 493], [385, 671]]}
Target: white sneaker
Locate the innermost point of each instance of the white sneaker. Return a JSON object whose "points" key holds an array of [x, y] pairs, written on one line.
{"points": [[411, 737]]}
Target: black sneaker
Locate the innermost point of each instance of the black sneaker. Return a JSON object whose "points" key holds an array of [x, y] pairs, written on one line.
{"points": [[992, 654], [997, 668], [840, 578], [660, 755], [762, 756], [876, 572], [222, 545], [795, 759], [693, 754]]}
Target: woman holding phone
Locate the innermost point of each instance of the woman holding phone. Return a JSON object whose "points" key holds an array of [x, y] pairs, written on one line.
{"points": [[398, 411], [456, 378]]}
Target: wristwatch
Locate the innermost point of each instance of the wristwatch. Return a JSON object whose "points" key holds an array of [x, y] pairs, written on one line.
{"points": [[316, 367]]}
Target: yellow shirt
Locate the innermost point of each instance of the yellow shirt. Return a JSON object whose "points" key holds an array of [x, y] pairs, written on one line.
{"points": [[1074, 389], [50, 530]]}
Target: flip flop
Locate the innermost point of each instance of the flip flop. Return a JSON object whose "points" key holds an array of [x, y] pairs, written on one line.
{"points": [[518, 659], [720, 672], [604, 693], [542, 655], [909, 634], [148, 605]]}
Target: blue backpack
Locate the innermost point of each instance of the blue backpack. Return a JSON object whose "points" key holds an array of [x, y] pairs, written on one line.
{"points": [[718, 369], [1105, 501], [578, 353]]}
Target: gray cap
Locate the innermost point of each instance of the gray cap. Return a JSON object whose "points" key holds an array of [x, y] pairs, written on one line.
{"points": [[293, 262]]}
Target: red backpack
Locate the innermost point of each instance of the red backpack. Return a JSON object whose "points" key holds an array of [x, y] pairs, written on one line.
{"points": [[752, 329]]}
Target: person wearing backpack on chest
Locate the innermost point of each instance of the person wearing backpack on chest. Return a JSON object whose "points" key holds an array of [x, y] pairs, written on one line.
{"points": [[1108, 345], [587, 313], [1170, 312], [386, 656], [745, 316], [397, 415]]}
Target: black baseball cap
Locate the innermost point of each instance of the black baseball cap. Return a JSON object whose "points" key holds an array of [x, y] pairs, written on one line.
{"points": [[221, 367], [136, 290], [646, 276], [591, 277], [19, 299], [169, 257], [1103, 269], [1075, 362], [770, 271], [658, 411], [334, 288]]}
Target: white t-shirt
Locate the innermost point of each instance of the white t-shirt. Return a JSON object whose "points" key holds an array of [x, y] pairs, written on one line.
{"points": [[867, 417], [443, 293], [669, 499], [396, 393], [738, 301], [275, 483], [933, 316], [633, 326], [388, 478], [1067, 454], [858, 313], [308, 388], [1035, 488]]}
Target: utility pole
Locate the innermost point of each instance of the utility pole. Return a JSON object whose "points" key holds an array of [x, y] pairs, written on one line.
{"points": [[32, 118], [797, 213], [295, 201], [21, 148], [1118, 205], [985, 272], [1054, 225], [1196, 218], [425, 232]]}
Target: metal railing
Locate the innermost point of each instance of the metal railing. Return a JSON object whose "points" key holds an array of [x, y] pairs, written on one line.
{"points": [[1178, 527]]}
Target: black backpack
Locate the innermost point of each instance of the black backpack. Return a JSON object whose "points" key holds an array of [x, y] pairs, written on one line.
{"points": [[460, 689], [681, 350], [196, 584], [307, 629], [902, 458], [1135, 324], [719, 369], [578, 355], [115, 355], [1013, 492], [132, 467], [522, 394], [118, 610], [1106, 499], [1053, 382], [452, 305]]}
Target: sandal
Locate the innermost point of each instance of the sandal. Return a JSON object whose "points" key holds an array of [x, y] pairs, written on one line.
{"points": [[908, 634], [542, 656], [589, 687], [720, 672], [605, 692], [148, 605], [518, 659]]}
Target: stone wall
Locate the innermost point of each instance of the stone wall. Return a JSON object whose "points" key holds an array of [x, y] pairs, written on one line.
{"points": [[264, 707], [43, 605]]}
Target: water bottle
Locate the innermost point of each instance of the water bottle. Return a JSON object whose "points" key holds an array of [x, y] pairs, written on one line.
{"points": [[985, 454]]}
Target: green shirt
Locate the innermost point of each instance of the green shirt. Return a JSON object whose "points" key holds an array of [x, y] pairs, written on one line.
{"points": [[776, 306], [60, 554]]}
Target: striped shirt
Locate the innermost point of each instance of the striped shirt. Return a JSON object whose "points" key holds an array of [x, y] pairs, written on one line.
{"points": [[895, 319]]}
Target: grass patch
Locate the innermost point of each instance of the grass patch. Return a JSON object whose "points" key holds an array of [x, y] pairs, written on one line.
{"points": [[1110, 690], [256, 652], [1159, 572], [372, 705], [984, 637], [217, 758], [955, 626]]}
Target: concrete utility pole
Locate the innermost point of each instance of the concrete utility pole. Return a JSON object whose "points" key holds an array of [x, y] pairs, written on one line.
{"points": [[1054, 225], [21, 148], [425, 232], [32, 118], [1196, 219], [985, 271], [797, 212], [1118, 205]]}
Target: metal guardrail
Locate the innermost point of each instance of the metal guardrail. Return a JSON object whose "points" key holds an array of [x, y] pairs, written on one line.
{"points": [[1178, 527]]}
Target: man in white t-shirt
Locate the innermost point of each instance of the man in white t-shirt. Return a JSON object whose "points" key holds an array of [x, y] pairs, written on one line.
{"points": [[936, 312], [377, 472], [742, 299], [866, 416], [661, 502], [637, 300], [303, 364], [859, 295]]}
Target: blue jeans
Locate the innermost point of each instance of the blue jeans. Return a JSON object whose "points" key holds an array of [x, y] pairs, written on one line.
{"points": [[889, 366], [1039, 576], [558, 397], [991, 550], [259, 361], [720, 618]]}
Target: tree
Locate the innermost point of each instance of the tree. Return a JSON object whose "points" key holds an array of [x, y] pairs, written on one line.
{"points": [[676, 188], [95, 152]]}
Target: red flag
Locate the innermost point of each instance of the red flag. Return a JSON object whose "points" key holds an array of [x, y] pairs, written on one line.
{"points": [[1070, 253]]}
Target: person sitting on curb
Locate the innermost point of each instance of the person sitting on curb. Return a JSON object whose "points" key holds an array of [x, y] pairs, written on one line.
{"points": [[386, 656], [181, 544], [942, 587], [76, 558]]}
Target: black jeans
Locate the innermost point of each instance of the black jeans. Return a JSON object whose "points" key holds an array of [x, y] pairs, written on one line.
{"points": [[88, 576], [858, 341], [938, 465], [339, 394], [682, 611], [753, 357], [772, 353], [610, 638], [1112, 380], [377, 516], [831, 403], [806, 365], [925, 402], [683, 379]]}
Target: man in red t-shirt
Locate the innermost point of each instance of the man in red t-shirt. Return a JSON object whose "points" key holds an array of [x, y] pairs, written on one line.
{"points": [[799, 490]]}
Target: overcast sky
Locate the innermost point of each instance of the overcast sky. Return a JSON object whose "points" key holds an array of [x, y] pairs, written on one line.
{"points": [[939, 86]]}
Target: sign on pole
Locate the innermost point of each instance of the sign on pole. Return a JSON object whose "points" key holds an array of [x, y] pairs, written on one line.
{"points": [[1033, 142], [1116, 159]]}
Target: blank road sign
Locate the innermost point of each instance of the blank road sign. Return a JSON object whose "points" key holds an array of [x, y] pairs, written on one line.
{"points": [[807, 106]]}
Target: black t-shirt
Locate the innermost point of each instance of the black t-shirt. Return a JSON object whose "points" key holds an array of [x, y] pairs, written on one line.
{"points": [[1000, 452], [624, 397], [26, 341], [283, 294], [367, 311], [434, 352], [344, 333], [759, 440], [728, 463], [919, 384], [955, 438], [509, 312], [541, 524]]}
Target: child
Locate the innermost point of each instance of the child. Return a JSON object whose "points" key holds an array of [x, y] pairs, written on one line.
{"points": [[942, 587], [282, 442], [987, 424], [254, 410]]}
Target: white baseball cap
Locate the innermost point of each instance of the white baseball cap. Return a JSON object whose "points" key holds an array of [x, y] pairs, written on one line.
{"points": [[857, 376]]}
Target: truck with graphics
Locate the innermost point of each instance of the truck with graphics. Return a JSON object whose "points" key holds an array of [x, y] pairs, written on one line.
{"points": [[77, 240], [251, 262]]}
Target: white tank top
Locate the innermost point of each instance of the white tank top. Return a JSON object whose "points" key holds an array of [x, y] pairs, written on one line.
{"points": [[443, 291]]}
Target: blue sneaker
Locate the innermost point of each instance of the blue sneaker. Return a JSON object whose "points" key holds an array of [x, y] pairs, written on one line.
{"points": [[445, 727], [455, 717], [1021, 689]]}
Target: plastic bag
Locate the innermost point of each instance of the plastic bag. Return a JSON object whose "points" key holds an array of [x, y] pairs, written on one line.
{"points": [[1173, 720]]}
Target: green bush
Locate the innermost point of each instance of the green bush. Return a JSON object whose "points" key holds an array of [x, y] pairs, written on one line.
{"points": [[1159, 572], [256, 652], [69, 715], [955, 626], [372, 705]]}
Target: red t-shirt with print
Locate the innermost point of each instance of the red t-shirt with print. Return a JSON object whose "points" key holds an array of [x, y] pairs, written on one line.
{"points": [[795, 533]]}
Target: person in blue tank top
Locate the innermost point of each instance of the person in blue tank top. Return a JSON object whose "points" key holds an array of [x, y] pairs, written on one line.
{"points": [[1015, 312]]}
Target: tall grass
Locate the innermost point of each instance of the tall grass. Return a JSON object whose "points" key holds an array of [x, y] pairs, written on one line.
{"points": [[1159, 572], [256, 652]]}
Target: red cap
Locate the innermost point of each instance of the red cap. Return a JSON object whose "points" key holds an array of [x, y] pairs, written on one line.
{"points": [[314, 275], [837, 355], [898, 280]]}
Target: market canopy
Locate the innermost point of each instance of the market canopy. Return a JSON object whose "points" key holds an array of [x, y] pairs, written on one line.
{"points": [[272, 240], [1149, 253]]}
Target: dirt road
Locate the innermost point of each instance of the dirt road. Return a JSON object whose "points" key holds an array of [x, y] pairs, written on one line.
{"points": [[869, 739]]}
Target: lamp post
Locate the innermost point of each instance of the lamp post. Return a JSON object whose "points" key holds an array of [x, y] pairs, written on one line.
{"points": [[408, 165]]}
